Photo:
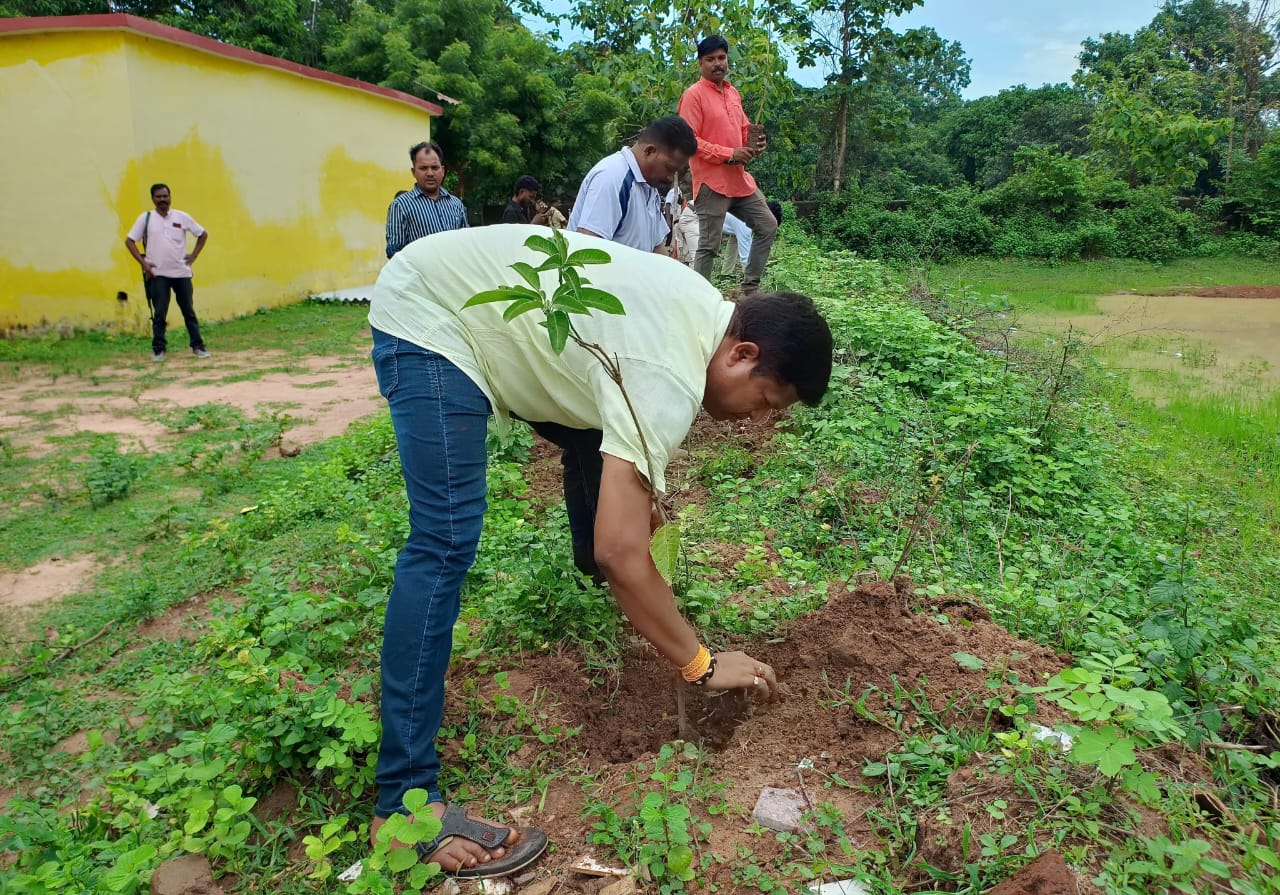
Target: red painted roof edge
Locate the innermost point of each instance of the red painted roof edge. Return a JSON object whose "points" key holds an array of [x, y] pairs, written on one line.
{"points": [[125, 22]]}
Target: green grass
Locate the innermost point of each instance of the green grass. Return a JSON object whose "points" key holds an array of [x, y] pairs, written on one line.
{"points": [[1215, 435], [1069, 533], [307, 328], [1070, 287]]}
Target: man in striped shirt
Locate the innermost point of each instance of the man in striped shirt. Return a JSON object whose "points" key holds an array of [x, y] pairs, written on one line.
{"points": [[427, 209]]}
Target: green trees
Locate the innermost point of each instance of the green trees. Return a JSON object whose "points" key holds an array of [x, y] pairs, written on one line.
{"points": [[980, 138], [1186, 106], [513, 106], [1174, 99]]}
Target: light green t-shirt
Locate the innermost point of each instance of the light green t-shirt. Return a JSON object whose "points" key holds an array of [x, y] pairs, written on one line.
{"points": [[673, 324]]}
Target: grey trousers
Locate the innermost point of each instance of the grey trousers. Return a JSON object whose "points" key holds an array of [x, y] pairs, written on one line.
{"points": [[711, 208]]}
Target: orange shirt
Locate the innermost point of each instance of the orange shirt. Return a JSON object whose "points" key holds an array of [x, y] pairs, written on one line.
{"points": [[720, 124]]}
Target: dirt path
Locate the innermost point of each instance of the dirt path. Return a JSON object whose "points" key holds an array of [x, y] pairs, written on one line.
{"points": [[324, 394], [145, 405]]}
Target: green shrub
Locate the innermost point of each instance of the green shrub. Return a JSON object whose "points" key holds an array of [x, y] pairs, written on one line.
{"points": [[938, 224], [1151, 227], [109, 474], [1254, 190], [1033, 235]]}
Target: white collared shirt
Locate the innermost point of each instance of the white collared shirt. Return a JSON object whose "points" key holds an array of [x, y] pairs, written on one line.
{"points": [[617, 203]]}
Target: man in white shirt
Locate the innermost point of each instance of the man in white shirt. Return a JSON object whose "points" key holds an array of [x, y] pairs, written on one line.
{"points": [[621, 197], [166, 266], [445, 369]]}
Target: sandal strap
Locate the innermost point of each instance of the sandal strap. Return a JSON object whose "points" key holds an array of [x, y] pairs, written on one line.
{"points": [[456, 822]]}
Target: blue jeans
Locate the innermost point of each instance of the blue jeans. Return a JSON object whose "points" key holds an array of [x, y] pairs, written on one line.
{"points": [[441, 419]]}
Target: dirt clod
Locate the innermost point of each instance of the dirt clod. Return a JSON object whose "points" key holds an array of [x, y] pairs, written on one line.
{"points": [[188, 875], [1046, 875]]}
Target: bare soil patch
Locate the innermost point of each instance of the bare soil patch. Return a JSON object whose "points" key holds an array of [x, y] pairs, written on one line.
{"points": [[183, 621], [323, 394], [1239, 292], [48, 580], [1213, 343]]}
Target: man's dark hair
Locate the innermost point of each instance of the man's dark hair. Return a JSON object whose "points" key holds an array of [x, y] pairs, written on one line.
{"points": [[775, 207], [431, 146], [155, 187], [672, 132], [711, 44], [794, 340], [527, 182]]}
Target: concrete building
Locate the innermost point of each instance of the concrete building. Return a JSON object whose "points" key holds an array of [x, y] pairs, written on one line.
{"points": [[290, 169]]}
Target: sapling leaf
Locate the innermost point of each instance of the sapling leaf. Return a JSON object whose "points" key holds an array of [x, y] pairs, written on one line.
{"points": [[665, 550], [600, 300], [521, 306], [541, 244], [557, 324], [530, 275], [401, 859], [969, 661], [506, 293], [415, 800], [564, 300], [589, 256]]}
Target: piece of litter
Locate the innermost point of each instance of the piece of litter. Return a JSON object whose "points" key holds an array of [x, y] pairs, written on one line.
{"points": [[806, 764], [352, 873], [1042, 734], [591, 867], [498, 885], [843, 887], [781, 810], [625, 886], [153, 811]]}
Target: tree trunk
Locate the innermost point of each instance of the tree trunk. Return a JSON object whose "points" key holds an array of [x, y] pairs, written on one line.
{"points": [[842, 140]]}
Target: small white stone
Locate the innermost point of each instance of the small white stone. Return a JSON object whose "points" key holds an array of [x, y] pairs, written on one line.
{"points": [[780, 809], [1042, 734], [843, 887]]}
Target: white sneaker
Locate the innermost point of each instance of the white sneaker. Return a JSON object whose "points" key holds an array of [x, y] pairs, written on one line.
{"points": [[199, 352], [158, 356]]}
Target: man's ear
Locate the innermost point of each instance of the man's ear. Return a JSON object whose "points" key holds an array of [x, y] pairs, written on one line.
{"points": [[744, 352]]}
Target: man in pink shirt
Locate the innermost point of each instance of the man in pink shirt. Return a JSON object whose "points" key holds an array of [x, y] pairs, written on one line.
{"points": [[166, 266], [721, 183]]}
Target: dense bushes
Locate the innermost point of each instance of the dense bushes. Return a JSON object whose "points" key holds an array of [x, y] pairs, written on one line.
{"points": [[1052, 208]]}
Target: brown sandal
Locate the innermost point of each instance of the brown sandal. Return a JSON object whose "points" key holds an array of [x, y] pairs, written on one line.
{"points": [[456, 822]]}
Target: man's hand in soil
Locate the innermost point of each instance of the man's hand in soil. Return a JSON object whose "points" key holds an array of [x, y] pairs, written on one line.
{"points": [[740, 670]]}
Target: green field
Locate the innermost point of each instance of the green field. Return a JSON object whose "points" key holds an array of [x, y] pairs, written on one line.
{"points": [[210, 686]]}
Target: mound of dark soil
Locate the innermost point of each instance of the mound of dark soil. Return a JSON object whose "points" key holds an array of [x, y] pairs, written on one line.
{"points": [[868, 637]]}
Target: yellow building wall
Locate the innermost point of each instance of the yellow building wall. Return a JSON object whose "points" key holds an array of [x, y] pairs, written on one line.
{"points": [[291, 176]]}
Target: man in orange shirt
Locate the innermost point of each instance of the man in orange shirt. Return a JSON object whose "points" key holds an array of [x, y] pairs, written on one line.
{"points": [[721, 183]]}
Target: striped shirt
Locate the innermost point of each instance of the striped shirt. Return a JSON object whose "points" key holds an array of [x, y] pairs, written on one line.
{"points": [[414, 215]]}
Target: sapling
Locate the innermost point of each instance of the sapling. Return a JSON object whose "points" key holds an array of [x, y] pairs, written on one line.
{"points": [[574, 294]]}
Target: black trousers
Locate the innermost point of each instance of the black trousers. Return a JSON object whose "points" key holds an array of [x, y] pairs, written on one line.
{"points": [[158, 289], [580, 457]]}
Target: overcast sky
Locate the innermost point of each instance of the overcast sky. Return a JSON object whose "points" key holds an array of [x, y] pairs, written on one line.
{"points": [[1030, 42], [1010, 42]]}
